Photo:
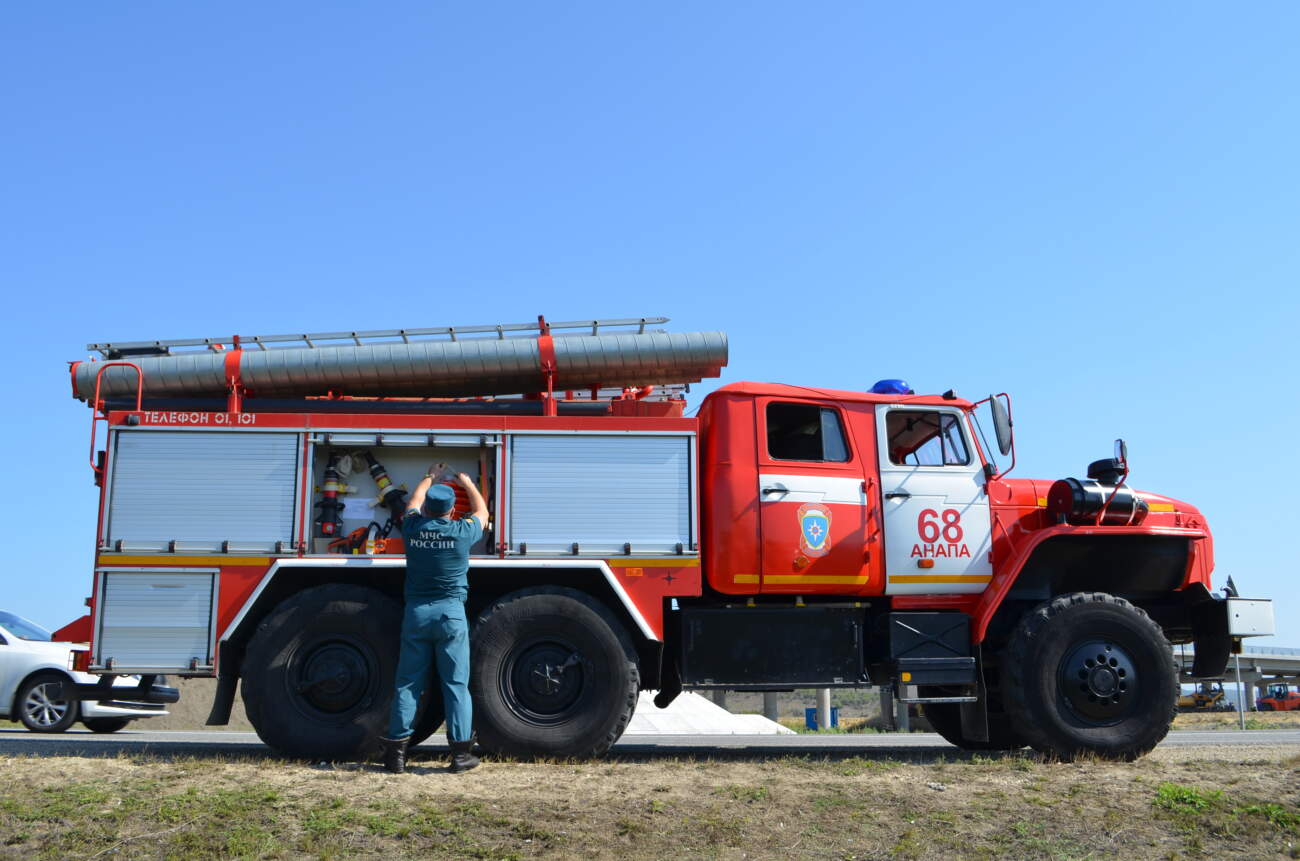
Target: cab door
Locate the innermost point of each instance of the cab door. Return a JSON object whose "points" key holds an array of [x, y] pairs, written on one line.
{"points": [[813, 511], [938, 535]]}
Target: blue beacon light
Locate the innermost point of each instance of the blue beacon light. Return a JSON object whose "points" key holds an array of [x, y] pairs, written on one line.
{"points": [[892, 387]]}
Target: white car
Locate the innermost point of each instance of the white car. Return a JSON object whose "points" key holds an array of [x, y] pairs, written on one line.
{"points": [[32, 669]]}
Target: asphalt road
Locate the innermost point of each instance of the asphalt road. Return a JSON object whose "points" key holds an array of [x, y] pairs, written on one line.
{"points": [[217, 743]]}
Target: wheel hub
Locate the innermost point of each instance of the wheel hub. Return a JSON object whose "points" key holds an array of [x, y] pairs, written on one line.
{"points": [[335, 677], [1099, 682], [544, 681], [1103, 681]]}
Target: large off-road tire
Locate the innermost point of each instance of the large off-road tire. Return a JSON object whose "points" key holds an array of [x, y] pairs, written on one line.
{"points": [[317, 677], [946, 717], [946, 720], [38, 707], [106, 725], [1089, 673], [554, 675], [1264, 707], [431, 714]]}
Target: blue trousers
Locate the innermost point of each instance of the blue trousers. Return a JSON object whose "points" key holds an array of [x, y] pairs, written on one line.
{"points": [[433, 632]]}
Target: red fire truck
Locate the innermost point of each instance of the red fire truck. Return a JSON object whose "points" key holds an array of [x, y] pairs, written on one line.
{"points": [[784, 537]]}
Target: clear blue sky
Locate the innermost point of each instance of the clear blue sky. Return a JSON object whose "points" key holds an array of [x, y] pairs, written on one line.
{"points": [[1091, 206]]}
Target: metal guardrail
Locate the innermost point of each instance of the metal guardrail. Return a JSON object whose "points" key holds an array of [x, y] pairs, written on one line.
{"points": [[1254, 651], [1270, 650]]}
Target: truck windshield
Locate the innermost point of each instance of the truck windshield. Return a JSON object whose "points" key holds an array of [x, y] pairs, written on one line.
{"points": [[23, 629]]}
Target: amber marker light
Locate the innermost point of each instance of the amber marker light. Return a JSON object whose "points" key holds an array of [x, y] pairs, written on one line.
{"points": [[925, 563]]}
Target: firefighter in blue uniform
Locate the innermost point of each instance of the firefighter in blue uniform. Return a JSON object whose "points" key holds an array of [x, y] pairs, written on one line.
{"points": [[434, 627]]}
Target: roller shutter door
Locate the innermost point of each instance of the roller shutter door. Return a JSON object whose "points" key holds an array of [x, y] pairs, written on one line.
{"points": [[201, 489], [156, 621], [600, 492]]}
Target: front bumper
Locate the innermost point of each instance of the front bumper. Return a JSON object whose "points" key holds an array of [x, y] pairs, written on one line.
{"points": [[121, 709], [147, 692]]}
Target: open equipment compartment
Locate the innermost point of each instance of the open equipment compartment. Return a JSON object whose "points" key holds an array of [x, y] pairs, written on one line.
{"points": [[404, 458]]}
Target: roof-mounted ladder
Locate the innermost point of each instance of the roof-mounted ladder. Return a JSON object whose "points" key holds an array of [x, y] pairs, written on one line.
{"points": [[126, 349]]}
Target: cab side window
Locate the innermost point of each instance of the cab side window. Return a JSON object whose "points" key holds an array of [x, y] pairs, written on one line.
{"points": [[805, 432], [925, 438]]}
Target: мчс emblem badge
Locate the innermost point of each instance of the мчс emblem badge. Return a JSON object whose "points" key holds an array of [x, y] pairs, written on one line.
{"points": [[814, 529]]}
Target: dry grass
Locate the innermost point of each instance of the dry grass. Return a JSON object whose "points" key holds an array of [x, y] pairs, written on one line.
{"points": [[1230, 720], [1176, 802]]}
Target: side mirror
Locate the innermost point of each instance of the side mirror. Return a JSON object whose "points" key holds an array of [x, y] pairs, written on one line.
{"points": [[1001, 424], [1121, 452]]}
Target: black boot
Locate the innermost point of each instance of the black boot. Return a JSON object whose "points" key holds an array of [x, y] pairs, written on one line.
{"points": [[461, 757], [395, 754]]}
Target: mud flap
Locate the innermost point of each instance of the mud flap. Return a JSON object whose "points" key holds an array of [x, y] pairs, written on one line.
{"points": [[975, 716], [227, 679], [1211, 638]]}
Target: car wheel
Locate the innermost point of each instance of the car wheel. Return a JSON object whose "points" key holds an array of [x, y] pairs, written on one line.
{"points": [[1089, 673], [105, 724], [554, 675], [39, 708]]}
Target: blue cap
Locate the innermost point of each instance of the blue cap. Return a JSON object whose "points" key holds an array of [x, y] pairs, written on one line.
{"points": [[891, 387], [439, 500]]}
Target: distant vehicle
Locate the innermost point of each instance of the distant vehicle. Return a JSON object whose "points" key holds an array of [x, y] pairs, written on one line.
{"points": [[1208, 697], [1280, 698], [33, 669]]}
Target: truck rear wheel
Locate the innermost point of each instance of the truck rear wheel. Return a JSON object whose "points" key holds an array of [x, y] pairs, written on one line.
{"points": [[554, 675], [1089, 673], [317, 678], [431, 714]]}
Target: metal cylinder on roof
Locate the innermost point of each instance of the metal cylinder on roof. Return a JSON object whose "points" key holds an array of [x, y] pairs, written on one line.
{"points": [[461, 368]]}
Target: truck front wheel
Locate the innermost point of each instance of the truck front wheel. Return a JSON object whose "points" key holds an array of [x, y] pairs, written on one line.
{"points": [[946, 720], [554, 675], [1089, 673]]}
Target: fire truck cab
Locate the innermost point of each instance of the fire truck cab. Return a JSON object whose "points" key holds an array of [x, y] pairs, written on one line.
{"points": [[785, 537]]}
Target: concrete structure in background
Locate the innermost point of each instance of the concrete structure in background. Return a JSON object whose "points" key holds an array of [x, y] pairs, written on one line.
{"points": [[692, 714], [823, 708], [1260, 667]]}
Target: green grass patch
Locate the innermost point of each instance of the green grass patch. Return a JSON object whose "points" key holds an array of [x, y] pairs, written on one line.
{"points": [[748, 794], [1200, 812]]}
